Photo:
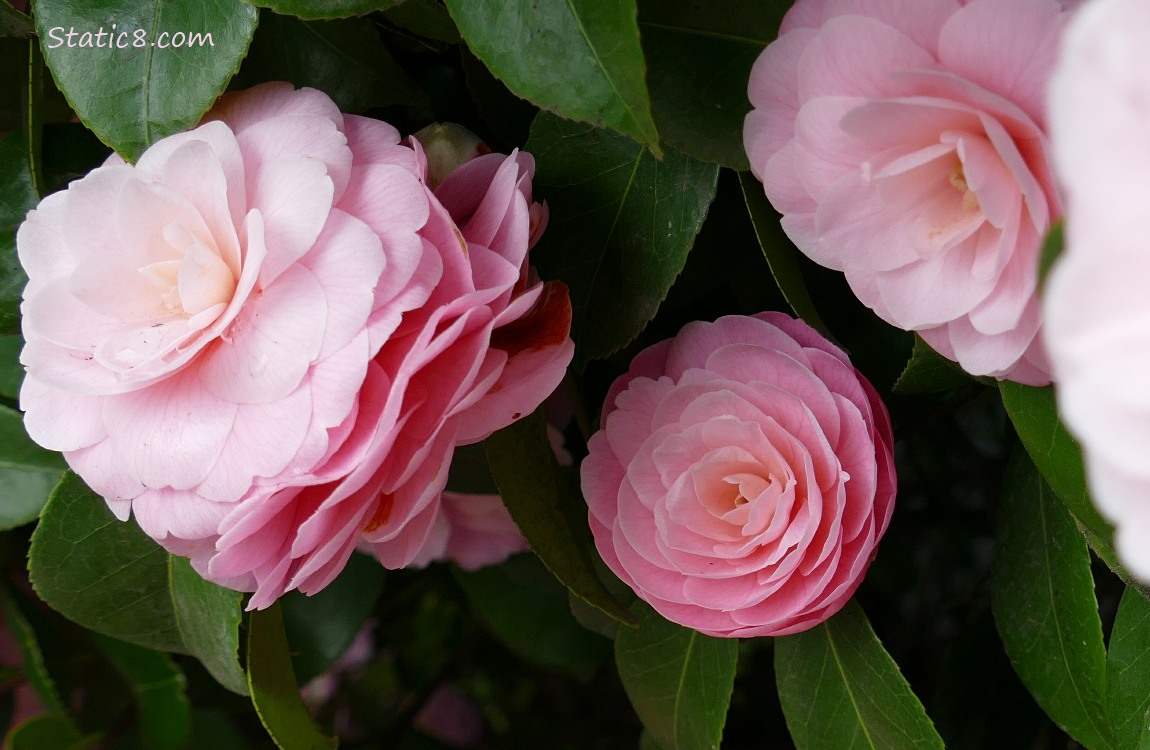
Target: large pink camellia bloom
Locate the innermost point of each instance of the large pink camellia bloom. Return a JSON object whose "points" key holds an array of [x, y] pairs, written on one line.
{"points": [[1097, 308], [904, 143], [266, 337], [742, 477]]}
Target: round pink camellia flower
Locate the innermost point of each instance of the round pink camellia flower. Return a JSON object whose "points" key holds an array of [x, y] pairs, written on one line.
{"points": [[742, 477], [904, 143], [265, 339], [1096, 306]]}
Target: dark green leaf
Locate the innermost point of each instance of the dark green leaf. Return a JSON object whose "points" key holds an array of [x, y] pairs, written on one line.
{"points": [[11, 371], [548, 508], [699, 58], [780, 253], [321, 627], [1058, 457], [214, 728], [929, 372], [321, 9], [1128, 673], [1052, 247], [622, 223], [13, 22], [678, 680], [134, 95], [208, 617], [101, 573], [1044, 605], [17, 197], [344, 59], [52, 730], [841, 690], [647, 742], [31, 656], [522, 605], [28, 473], [273, 686], [158, 687], [427, 18], [578, 58]]}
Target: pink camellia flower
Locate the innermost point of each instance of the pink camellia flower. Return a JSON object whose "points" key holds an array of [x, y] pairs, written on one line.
{"points": [[1096, 307], [742, 477], [473, 531], [265, 339], [904, 143]]}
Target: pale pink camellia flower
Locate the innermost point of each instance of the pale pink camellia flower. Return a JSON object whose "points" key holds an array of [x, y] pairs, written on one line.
{"points": [[904, 143], [742, 478], [1096, 305], [265, 339]]}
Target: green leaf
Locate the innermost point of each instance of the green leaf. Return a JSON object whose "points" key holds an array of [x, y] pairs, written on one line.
{"points": [[548, 508], [102, 573], [647, 742], [17, 197], [523, 606], [699, 58], [133, 96], [31, 656], [208, 617], [321, 9], [345, 59], [28, 473], [275, 693], [1059, 459], [678, 680], [158, 687], [11, 371], [322, 626], [1128, 673], [781, 255], [13, 22], [580, 59], [1044, 605], [427, 18], [51, 730], [1052, 246], [841, 690], [622, 223], [927, 371]]}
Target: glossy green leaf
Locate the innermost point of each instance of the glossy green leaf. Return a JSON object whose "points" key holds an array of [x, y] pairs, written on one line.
{"points": [[547, 506], [321, 9], [523, 606], [678, 680], [578, 58], [622, 223], [159, 689], [1034, 413], [781, 255], [17, 197], [321, 627], [841, 690], [208, 617], [31, 655], [1044, 605], [28, 473], [13, 22], [427, 18], [345, 59], [274, 690], [143, 88], [699, 58], [1128, 673], [51, 730], [927, 371]]}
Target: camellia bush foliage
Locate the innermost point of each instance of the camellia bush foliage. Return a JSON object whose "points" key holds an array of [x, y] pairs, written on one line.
{"points": [[995, 612]]}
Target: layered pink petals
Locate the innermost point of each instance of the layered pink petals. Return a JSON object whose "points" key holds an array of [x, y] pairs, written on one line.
{"points": [[267, 337], [1096, 307], [904, 144], [742, 477]]}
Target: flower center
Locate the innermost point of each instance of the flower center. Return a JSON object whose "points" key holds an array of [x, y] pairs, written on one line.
{"points": [[958, 182], [196, 282]]}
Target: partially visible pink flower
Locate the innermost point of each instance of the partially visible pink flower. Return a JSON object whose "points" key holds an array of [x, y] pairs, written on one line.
{"points": [[450, 717], [742, 477], [1097, 308], [904, 143], [266, 338], [472, 531]]}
